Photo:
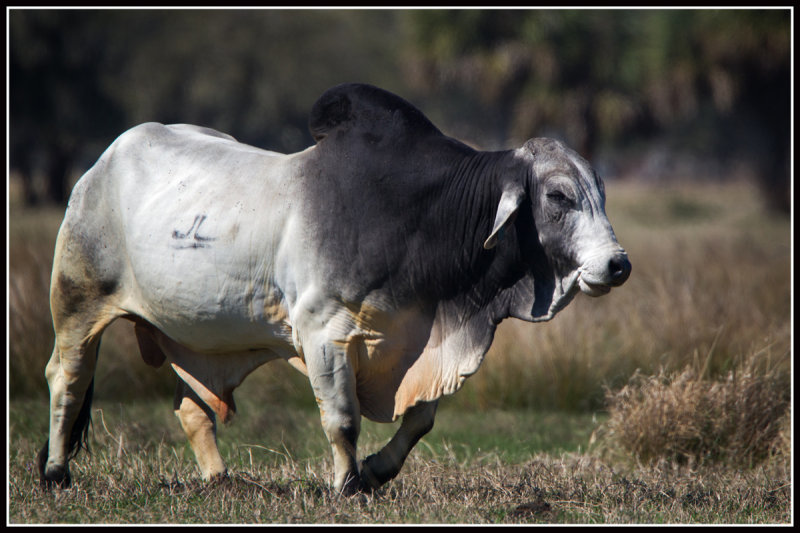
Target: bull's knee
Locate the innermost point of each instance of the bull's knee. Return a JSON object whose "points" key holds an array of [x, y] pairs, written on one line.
{"points": [[198, 423]]}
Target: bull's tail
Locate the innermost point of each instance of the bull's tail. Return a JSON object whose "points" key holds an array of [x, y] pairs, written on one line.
{"points": [[79, 437]]}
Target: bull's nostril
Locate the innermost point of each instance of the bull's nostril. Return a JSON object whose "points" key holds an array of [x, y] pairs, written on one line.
{"points": [[619, 268]]}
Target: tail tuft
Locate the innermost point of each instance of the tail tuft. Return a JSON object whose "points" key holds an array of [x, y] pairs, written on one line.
{"points": [[79, 437]]}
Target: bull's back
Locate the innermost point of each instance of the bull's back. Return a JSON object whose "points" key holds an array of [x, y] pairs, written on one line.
{"points": [[193, 220]]}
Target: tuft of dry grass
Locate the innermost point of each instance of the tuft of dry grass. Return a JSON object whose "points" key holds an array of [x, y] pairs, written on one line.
{"points": [[739, 419], [29, 324], [32, 237]]}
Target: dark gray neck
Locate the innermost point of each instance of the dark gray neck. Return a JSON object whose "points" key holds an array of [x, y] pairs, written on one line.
{"points": [[463, 212]]}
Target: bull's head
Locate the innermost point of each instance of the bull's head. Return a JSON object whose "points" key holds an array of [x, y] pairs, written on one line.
{"points": [[563, 199]]}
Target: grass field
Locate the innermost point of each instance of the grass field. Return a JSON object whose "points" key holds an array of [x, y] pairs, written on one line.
{"points": [[496, 466], [531, 438]]}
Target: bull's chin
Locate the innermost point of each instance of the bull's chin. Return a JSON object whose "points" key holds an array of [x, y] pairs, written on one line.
{"points": [[592, 290]]}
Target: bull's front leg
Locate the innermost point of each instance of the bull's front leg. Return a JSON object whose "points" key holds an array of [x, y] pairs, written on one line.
{"points": [[334, 383], [380, 467]]}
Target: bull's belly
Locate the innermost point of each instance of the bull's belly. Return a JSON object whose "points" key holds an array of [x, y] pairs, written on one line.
{"points": [[205, 323], [227, 335]]}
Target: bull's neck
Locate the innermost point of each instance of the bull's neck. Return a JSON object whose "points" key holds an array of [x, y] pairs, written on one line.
{"points": [[467, 207], [470, 197]]}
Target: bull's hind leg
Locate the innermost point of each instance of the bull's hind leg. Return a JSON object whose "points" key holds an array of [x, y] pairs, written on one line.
{"points": [[204, 392], [380, 467], [70, 404], [83, 290], [70, 376], [197, 418], [199, 424]]}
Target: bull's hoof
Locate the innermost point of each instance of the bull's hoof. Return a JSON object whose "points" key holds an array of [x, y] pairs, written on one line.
{"points": [[57, 477], [53, 477], [373, 477], [369, 482], [219, 480], [350, 486]]}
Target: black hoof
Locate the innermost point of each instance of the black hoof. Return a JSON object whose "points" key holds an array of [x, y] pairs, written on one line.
{"points": [[57, 477], [219, 480], [351, 486], [371, 477], [369, 483]]}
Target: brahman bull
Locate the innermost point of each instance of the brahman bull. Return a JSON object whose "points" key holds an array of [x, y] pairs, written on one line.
{"points": [[378, 262]]}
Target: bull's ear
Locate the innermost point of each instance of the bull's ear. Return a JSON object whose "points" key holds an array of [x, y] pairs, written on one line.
{"points": [[506, 213]]}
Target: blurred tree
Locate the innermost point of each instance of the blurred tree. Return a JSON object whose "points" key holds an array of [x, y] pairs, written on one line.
{"points": [[251, 73], [78, 78], [714, 83], [745, 72], [530, 70], [709, 83], [55, 101]]}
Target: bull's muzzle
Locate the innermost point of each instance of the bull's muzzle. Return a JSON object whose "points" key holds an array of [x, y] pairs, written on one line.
{"points": [[598, 276]]}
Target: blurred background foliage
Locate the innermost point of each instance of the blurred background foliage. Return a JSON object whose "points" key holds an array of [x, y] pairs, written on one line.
{"points": [[645, 94], [685, 113]]}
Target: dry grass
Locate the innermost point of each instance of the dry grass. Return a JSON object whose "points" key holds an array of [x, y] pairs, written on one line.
{"points": [[685, 417], [141, 472], [568, 489]]}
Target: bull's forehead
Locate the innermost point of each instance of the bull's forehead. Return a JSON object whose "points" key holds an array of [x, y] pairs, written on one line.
{"points": [[554, 161]]}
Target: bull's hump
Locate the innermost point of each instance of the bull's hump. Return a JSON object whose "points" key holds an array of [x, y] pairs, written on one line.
{"points": [[369, 110]]}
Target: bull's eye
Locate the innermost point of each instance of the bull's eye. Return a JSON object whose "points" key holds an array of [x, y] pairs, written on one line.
{"points": [[559, 198]]}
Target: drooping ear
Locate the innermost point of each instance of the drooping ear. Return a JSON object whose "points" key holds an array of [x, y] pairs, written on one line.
{"points": [[507, 208]]}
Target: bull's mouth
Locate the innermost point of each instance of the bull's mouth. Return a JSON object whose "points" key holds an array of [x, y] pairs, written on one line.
{"points": [[591, 286], [593, 289]]}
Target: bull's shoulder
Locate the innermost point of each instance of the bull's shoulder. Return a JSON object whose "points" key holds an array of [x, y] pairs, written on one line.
{"points": [[360, 112]]}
